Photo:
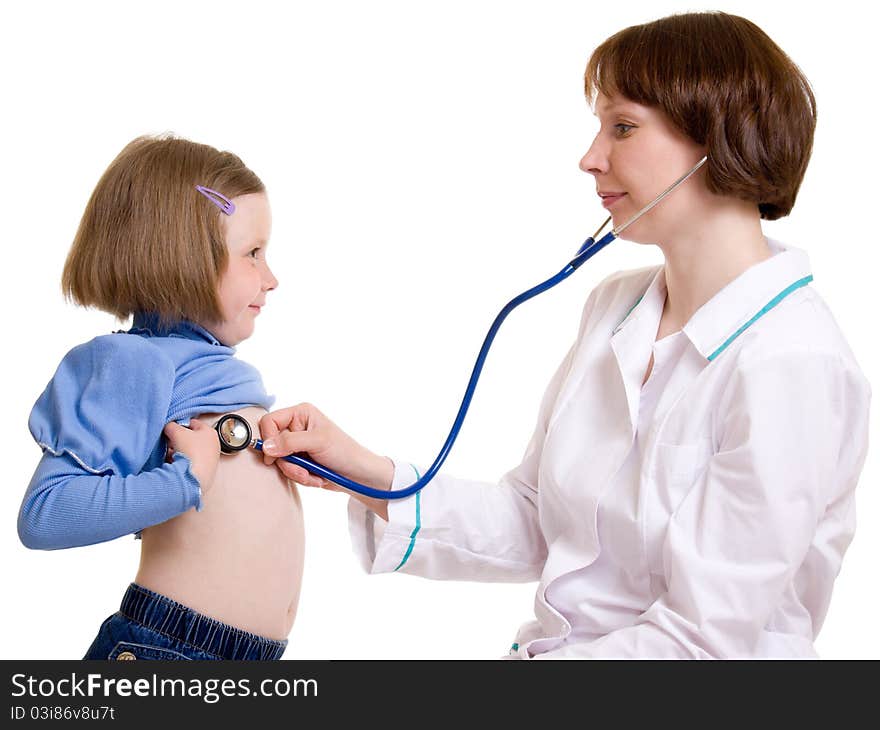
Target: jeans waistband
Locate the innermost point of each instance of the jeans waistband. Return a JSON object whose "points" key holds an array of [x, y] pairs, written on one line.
{"points": [[160, 613]]}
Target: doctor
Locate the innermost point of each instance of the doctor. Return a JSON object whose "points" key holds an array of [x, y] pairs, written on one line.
{"points": [[688, 490]]}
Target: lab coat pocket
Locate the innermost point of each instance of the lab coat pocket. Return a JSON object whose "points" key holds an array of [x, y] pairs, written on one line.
{"points": [[673, 473]]}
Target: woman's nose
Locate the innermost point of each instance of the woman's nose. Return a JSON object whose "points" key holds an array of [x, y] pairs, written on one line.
{"points": [[595, 161]]}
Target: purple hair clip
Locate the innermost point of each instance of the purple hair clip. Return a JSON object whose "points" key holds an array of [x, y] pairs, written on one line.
{"points": [[218, 199]]}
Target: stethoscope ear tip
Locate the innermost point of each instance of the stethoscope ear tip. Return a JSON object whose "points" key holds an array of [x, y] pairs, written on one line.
{"points": [[234, 433]]}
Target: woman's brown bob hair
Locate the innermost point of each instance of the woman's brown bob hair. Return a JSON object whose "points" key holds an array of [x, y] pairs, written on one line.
{"points": [[723, 83], [148, 241]]}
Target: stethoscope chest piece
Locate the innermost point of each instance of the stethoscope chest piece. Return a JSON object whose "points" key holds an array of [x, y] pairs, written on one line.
{"points": [[234, 433]]}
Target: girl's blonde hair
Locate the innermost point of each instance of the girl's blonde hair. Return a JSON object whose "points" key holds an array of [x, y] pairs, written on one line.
{"points": [[148, 241]]}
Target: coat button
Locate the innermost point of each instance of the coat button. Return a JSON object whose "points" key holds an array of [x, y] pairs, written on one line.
{"points": [[126, 656]]}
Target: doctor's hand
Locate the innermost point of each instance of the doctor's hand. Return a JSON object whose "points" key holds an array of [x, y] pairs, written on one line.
{"points": [[198, 443], [303, 429]]}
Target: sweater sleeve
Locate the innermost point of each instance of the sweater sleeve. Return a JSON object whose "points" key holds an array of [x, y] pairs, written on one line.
{"points": [[67, 506], [99, 422]]}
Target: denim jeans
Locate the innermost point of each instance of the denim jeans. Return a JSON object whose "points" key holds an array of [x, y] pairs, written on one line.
{"points": [[151, 626]]}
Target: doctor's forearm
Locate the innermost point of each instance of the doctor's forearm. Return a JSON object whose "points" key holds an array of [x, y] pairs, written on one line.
{"points": [[376, 472]]}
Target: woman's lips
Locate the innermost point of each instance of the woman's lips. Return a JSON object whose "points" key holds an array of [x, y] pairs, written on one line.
{"points": [[609, 199]]}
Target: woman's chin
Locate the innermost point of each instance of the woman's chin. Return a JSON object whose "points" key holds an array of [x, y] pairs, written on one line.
{"points": [[636, 238]]}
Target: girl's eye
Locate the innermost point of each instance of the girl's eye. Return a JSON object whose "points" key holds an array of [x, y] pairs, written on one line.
{"points": [[254, 253], [623, 130]]}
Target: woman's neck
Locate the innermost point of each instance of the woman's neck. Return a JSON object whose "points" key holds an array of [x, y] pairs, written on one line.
{"points": [[711, 254]]}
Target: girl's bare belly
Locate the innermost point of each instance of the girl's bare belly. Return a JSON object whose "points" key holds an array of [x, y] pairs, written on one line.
{"points": [[240, 559]]}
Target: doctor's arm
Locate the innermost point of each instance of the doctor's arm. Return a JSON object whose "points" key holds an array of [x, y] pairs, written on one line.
{"points": [[452, 529], [305, 429], [793, 437]]}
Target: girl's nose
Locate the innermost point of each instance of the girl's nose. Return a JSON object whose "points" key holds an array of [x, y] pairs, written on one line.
{"points": [[269, 281]]}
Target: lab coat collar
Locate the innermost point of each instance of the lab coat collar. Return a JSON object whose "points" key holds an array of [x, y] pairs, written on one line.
{"points": [[745, 298], [735, 306], [632, 342], [648, 308]]}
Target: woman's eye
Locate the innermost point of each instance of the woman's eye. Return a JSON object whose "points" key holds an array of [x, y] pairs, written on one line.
{"points": [[254, 253], [623, 129]]}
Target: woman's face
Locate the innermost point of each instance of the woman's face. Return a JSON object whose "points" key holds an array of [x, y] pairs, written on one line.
{"points": [[247, 278], [635, 156]]}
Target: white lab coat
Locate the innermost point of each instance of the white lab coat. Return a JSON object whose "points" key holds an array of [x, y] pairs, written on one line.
{"points": [[742, 507]]}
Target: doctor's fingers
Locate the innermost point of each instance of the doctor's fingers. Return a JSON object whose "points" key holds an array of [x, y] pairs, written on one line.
{"points": [[268, 429], [295, 418], [302, 476], [285, 420], [292, 442]]}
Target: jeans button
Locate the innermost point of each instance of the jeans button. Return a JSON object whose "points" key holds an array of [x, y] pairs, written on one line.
{"points": [[126, 656]]}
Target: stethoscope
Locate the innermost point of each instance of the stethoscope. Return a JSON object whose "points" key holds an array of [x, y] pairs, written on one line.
{"points": [[236, 435]]}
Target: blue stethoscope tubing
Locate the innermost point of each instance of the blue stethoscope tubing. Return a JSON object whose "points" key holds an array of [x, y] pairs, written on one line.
{"points": [[588, 249]]}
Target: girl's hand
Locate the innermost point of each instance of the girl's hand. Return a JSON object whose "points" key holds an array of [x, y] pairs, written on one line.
{"points": [[200, 444]]}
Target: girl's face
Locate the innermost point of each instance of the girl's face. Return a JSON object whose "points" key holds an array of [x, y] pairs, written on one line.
{"points": [[247, 278], [635, 156]]}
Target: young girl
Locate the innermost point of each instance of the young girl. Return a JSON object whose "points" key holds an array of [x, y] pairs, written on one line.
{"points": [[175, 235], [689, 487]]}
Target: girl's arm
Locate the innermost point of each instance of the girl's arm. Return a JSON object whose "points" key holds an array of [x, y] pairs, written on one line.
{"points": [[99, 422], [68, 506]]}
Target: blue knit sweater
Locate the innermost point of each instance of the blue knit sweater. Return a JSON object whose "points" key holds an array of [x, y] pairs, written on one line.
{"points": [[99, 422]]}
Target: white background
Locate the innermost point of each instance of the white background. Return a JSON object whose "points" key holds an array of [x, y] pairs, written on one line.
{"points": [[421, 159]]}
